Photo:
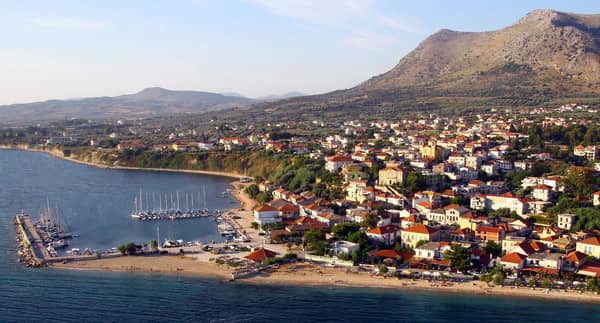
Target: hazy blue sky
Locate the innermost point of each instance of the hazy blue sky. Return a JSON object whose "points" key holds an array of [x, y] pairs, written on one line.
{"points": [[67, 49]]}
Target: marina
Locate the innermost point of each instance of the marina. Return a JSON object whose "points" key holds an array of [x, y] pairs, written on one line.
{"points": [[167, 206]]}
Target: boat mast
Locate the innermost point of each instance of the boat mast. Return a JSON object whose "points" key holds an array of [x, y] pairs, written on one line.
{"points": [[135, 205], [153, 201], [177, 193], [141, 199], [204, 190], [187, 206]]}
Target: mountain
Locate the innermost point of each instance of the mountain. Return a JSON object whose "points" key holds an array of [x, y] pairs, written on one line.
{"points": [[544, 56], [287, 95], [146, 103]]}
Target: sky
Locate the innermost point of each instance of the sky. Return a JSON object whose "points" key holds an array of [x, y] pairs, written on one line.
{"points": [[72, 49]]}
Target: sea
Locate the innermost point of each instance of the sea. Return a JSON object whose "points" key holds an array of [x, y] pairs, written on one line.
{"points": [[95, 204]]}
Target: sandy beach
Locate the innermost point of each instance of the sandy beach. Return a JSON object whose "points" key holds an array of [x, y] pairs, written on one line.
{"points": [[308, 274]]}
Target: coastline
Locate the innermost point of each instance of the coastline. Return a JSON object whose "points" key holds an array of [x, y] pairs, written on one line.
{"points": [[304, 274], [96, 165], [299, 274]]}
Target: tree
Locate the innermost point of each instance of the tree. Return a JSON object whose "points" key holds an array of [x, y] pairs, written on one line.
{"points": [[154, 245], [383, 269], [254, 225], [499, 275], [252, 190], [128, 249], [370, 221], [359, 237], [414, 182], [342, 230], [459, 257], [578, 180], [314, 239], [493, 248], [420, 243]]}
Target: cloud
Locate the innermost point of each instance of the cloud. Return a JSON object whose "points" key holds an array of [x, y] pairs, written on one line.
{"points": [[369, 40], [316, 11], [364, 24], [67, 23]]}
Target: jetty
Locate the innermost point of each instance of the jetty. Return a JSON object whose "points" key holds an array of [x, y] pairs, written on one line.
{"points": [[30, 247]]}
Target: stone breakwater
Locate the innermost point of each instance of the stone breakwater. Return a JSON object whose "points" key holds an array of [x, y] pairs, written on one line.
{"points": [[25, 252]]}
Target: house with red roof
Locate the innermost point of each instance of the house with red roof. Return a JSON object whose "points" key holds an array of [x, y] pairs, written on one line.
{"points": [[261, 255], [589, 246], [513, 260], [418, 232], [490, 233], [386, 234], [266, 214], [573, 261], [541, 192], [288, 212], [336, 162]]}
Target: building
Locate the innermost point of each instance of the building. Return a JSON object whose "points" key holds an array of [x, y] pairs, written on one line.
{"points": [[596, 198], [513, 261], [335, 163], [386, 234], [392, 175], [432, 152], [541, 192], [266, 214], [588, 152], [502, 201], [344, 247], [589, 246], [418, 232], [489, 233], [566, 221]]}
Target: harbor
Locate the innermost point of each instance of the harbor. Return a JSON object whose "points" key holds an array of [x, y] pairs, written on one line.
{"points": [[167, 206]]}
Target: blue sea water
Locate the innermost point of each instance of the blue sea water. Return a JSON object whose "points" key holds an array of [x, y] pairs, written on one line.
{"points": [[96, 203]]}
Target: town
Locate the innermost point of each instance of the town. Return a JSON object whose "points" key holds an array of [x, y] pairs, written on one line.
{"points": [[498, 195]]}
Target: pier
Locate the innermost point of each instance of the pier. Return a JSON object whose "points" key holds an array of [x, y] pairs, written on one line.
{"points": [[31, 250], [34, 254]]}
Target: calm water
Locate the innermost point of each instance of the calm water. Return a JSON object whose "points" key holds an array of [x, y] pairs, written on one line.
{"points": [[96, 203]]}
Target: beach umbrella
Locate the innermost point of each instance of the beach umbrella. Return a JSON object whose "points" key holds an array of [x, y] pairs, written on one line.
{"points": [[427, 273], [406, 272], [436, 274]]}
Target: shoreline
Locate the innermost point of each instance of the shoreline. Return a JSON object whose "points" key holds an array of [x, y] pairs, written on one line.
{"points": [[102, 166], [299, 274], [303, 275]]}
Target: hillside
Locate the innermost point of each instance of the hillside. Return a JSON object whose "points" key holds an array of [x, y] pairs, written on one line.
{"points": [[146, 103], [546, 55]]}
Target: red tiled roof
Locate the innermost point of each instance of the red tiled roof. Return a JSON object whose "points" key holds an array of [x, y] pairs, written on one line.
{"points": [[339, 158], [390, 228], [288, 208], [513, 257], [576, 256], [265, 208], [590, 269], [261, 255], [391, 253], [592, 241], [421, 228], [484, 228]]}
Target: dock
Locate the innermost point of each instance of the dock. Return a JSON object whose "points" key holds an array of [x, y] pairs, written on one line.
{"points": [[31, 249]]}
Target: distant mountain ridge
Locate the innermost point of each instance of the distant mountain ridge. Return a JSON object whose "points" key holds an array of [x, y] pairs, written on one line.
{"points": [[545, 55], [148, 102]]}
